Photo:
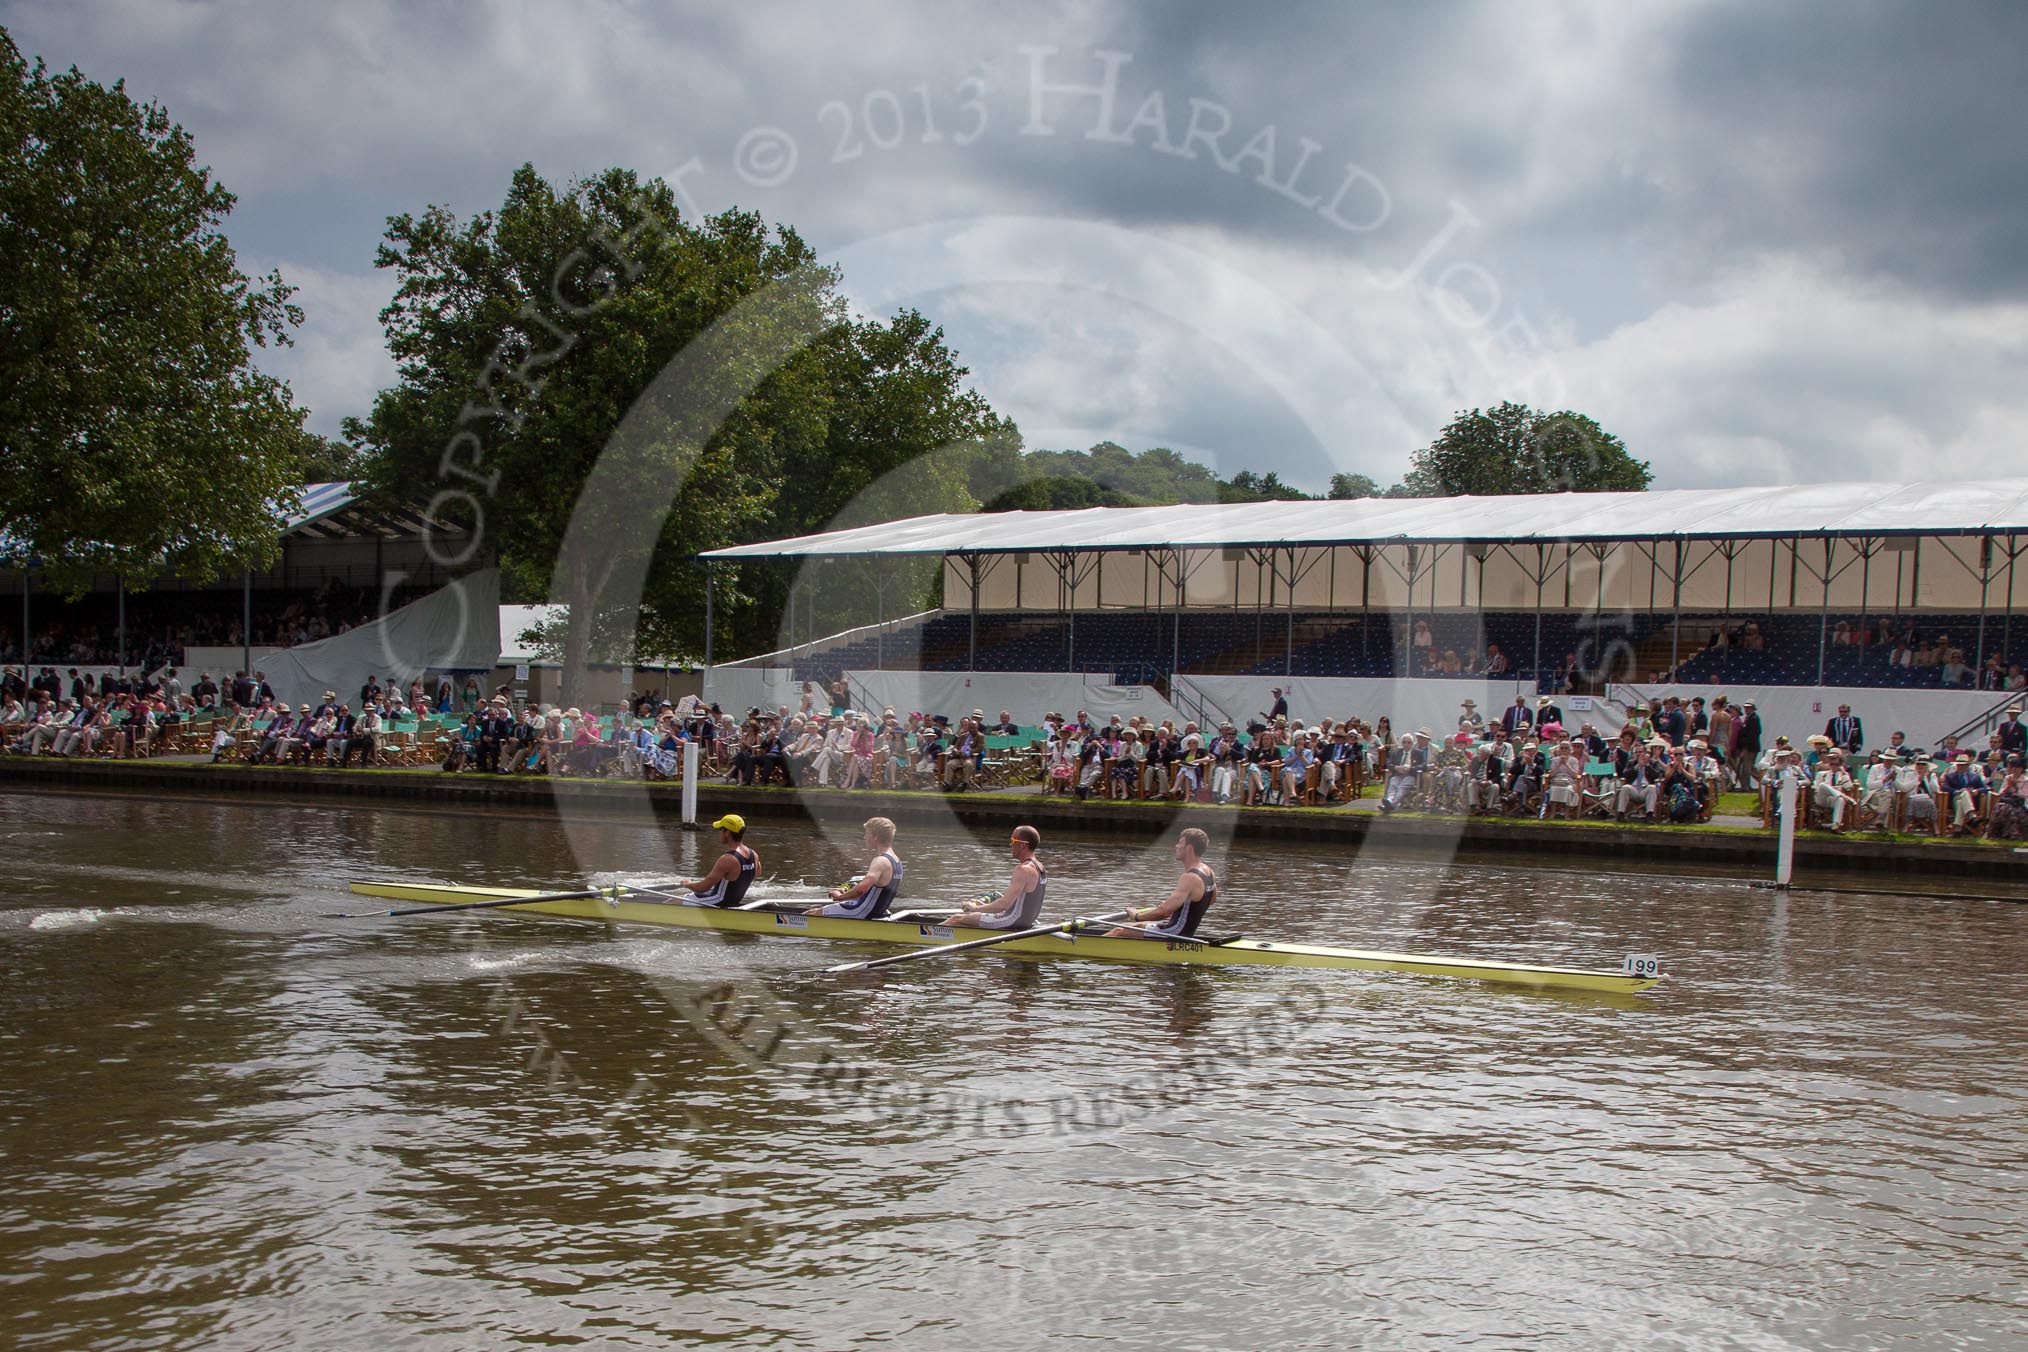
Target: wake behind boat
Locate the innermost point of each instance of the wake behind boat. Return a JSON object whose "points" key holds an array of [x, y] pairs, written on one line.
{"points": [[636, 904]]}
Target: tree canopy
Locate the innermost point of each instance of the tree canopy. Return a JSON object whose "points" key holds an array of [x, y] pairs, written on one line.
{"points": [[1005, 478], [1514, 449], [134, 426], [537, 345]]}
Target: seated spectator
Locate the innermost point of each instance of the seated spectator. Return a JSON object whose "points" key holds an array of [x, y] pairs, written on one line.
{"points": [[1876, 799], [1293, 776], [1263, 762], [1226, 757], [2010, 803], [1524, 781], [860, 749], [1966, 789], [1917, 784], [1641, 780], [1128, 762], [968, 745], [1563, 783], [1399, 790], [1832, 789], [364, 741]]}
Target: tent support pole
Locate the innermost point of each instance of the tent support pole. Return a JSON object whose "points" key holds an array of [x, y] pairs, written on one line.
{"points": [[1541, 576], [1071, 602], [121, 586], [25, 673], [1289, 650], [2007, 624], [1985, 585], [1824, 613], [1676, 613], [710, 605], [972, 634], [246, 623]]}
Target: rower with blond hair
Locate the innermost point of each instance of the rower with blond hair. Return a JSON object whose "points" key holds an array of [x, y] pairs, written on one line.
{"points": [[871, 895]]}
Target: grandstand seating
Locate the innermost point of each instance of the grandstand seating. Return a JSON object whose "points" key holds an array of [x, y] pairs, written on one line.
{"points": [[1136, 646], [1791, 642]]}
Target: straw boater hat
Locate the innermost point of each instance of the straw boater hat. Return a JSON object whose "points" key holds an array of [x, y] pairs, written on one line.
{"points": [[1468, 704], [1819, 739], [1964, 758], [1699, 744]]}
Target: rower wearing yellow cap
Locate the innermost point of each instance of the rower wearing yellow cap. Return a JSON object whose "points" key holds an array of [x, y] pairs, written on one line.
{"points": [[734, 872]]}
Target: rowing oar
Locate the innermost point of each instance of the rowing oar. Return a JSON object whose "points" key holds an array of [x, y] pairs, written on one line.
{"points": [[946, 950], [473, 905]]}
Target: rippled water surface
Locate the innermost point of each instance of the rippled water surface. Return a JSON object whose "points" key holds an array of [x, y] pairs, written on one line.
{"points": [[229, 1122]]}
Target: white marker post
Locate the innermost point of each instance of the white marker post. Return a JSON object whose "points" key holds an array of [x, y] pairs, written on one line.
{"points": [[690, 761], [1787, 797]]}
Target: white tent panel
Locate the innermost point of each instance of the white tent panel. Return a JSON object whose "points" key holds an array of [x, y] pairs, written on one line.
{"points": [[1854, 509]]}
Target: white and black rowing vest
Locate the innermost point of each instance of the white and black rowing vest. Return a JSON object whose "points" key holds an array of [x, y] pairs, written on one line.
{"points": [[1023, 913], [729, 892], [1185, 921], [878, 901]]}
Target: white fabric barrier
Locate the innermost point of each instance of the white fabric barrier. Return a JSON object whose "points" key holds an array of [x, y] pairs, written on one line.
{"points": [[1407, 704], [1027, 695], [1799, 710], [455, 628], [737, 689]]}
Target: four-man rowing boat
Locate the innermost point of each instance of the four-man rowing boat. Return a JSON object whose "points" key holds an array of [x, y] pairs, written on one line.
{"points": [[641, 906]]}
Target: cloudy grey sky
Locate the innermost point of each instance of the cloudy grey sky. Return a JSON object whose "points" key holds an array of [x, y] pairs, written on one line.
{"points": [[1761, 243]]}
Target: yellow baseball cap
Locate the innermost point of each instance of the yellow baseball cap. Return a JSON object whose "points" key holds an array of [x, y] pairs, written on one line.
{"points": [[732, 822]]}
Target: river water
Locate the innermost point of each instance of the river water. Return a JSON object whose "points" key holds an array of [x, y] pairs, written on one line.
{"points": [[228, 1122]]}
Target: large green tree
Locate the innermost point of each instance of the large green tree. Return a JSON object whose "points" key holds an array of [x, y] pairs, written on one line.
{"points": [[135, 429], [584, 356], [1514, 449]]}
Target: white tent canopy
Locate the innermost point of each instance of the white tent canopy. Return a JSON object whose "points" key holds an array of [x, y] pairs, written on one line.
{"points": [[1848, 546], [1851, 509]]}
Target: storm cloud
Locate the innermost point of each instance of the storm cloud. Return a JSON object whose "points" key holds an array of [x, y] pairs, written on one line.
{"points": [[1758, 242]]}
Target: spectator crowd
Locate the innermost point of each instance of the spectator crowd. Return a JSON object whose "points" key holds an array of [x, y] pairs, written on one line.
{"points": [[1668, 763]]}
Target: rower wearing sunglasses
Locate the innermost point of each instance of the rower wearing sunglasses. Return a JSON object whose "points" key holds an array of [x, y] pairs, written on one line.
{"points": [[1019, 904]]}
